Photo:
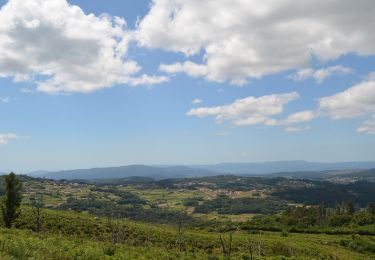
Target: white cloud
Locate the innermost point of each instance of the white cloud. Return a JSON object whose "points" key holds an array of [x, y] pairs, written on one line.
{"points": [[295, 118], [197, 101], [299, 117], [356, 101], [248, 111], [243, 39], [147, 80], [5, 138], [192, 69], [291, 129], [321, 74], [368, 127], [62, 49]]}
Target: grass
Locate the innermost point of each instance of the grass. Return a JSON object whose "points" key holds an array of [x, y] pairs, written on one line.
{"points": [[21, 244], [69, 235]]}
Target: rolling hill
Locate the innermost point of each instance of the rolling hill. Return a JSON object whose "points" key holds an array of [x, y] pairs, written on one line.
{"points": [[287, 169], [127, 171], [282, 166]]}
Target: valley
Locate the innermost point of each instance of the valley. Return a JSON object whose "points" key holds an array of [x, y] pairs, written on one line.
{"points": [[187, 218]]}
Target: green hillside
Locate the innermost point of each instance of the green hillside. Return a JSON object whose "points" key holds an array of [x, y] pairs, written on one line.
{"points": [[69, 235]]}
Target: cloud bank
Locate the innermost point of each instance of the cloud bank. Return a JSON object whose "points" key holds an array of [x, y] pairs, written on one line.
{"points": [[62, 49], [358, 101], [245, 39]]}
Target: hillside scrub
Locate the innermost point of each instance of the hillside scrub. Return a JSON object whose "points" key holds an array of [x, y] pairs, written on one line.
{"points": [[89, 236]]}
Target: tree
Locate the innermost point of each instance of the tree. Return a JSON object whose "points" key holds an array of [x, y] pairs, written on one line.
{"points": [[12, 199], [37, 205]]}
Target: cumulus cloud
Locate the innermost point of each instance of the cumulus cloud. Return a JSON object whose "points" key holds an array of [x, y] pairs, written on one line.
{"points": [[5, 138], [358, 100], [291, 129], [368, 127], [299, 117], [248, 111], [243, 39], [197, 101], [62, 49], [321, 74], [147, 80], [192, 69], [295, 118]]}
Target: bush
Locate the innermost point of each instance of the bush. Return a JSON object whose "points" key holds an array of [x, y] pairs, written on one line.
{"points": [[360, 244], [338, 220], [363, 218]]}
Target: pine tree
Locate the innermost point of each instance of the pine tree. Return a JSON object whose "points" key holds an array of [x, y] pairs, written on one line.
{"points": [[12, 199]]}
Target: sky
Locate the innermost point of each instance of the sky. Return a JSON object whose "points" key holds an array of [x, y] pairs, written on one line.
{"points": [[91, 83]]}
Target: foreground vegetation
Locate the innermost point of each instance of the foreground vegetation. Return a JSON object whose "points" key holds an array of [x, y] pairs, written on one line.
{"points": [[72, 235]]}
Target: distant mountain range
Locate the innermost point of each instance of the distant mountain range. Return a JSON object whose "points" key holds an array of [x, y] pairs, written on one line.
{"points": [[283, 166], [127, 171], [337, 176], [288, 169]]}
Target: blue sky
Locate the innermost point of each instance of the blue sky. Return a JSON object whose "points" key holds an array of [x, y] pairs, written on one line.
{"points": [[248, 90]]}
